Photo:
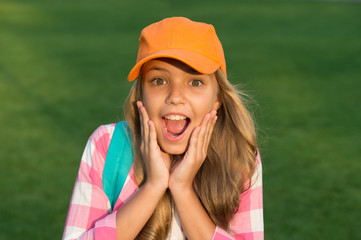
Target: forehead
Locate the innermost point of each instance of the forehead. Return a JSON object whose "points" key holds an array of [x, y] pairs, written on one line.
{"points": [[167, 64]]}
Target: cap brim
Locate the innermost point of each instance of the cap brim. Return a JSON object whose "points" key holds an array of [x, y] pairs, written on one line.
{"points": [[195, 60]]}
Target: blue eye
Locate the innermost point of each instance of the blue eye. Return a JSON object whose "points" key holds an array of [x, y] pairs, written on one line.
{"points": [[158, 81], [196, 83]]}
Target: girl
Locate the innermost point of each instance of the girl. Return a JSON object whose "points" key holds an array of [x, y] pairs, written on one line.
{"points": [[195, 170]]}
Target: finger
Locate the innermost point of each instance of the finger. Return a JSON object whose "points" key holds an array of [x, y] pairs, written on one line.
{"points": [[209, 131], [153, 144], [166, 159], [152, 136], [202, 134], [144, 128], [144, 122], [209, 135], [145, 117], [209, 124], [139, 105], [156, 152], [204, 124], [192, 149]]}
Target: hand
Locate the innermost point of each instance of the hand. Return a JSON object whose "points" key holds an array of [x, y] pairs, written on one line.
{"points": [[184, 171], [156, 161]]}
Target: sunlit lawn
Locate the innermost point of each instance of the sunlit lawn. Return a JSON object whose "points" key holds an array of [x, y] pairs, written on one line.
{"points": [[63, 68]]}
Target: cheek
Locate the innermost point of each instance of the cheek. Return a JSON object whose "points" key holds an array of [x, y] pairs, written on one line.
{"points": [[200, 113], [203, 107], [150, 103]]}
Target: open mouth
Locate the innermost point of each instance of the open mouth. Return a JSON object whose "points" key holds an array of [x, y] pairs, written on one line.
{"points": [[175, 125]]}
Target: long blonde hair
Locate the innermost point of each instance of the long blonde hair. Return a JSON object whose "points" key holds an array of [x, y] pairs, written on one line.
{"points": [[229, 165]]}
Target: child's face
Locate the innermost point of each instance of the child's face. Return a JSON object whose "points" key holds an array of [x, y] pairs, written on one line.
{"points": [[176, 98]]}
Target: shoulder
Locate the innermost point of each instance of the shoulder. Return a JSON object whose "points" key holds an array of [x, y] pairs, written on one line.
{"points": [[248, 221], [97, 146], [255, 183], [256, 180], [95, 152], [102, 133], [105, 132]]}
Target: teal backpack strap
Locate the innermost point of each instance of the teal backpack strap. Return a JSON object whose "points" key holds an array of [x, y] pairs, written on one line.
{"points": [[118, 162]]}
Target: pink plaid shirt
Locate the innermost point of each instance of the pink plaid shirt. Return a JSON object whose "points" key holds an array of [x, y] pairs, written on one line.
{"points": [[90, 215]]}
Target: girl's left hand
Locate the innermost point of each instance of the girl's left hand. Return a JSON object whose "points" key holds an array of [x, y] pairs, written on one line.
{"points": [[184, 171]]}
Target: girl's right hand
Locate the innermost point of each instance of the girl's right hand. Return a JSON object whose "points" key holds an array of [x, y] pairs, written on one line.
{"points": [[156, 161]]}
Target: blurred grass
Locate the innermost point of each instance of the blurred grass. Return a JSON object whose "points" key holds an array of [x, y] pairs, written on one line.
{"points": [[63, 67]]}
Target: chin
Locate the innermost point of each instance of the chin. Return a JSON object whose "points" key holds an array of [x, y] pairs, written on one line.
{"points": [[174, 149]]}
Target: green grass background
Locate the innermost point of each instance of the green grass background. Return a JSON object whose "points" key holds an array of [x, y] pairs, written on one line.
{"points": [[63, 68]]}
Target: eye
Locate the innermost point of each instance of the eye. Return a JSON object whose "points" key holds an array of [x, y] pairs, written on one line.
{"points": [[196, 83], [158, 81]]}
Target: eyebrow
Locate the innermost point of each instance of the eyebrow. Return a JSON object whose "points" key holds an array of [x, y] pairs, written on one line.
{"points": [[157, 69]]}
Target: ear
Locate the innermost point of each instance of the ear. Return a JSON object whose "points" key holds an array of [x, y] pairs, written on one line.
{"points": [[216, 105]]}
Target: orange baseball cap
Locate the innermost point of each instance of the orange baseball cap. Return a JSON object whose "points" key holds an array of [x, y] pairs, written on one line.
{"points": [[194, 43]]}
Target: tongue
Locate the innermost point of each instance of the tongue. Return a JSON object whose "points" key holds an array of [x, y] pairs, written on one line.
{"points": [[175, 127]]}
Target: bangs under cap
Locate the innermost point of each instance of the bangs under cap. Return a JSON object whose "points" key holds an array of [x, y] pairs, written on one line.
{"points": [[194, 43]]}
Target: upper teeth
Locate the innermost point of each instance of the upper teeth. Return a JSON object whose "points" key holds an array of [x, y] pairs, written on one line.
{"points": [[175, 117]]}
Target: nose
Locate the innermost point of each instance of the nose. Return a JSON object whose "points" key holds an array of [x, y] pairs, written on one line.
{"points": [[175, 95]]}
